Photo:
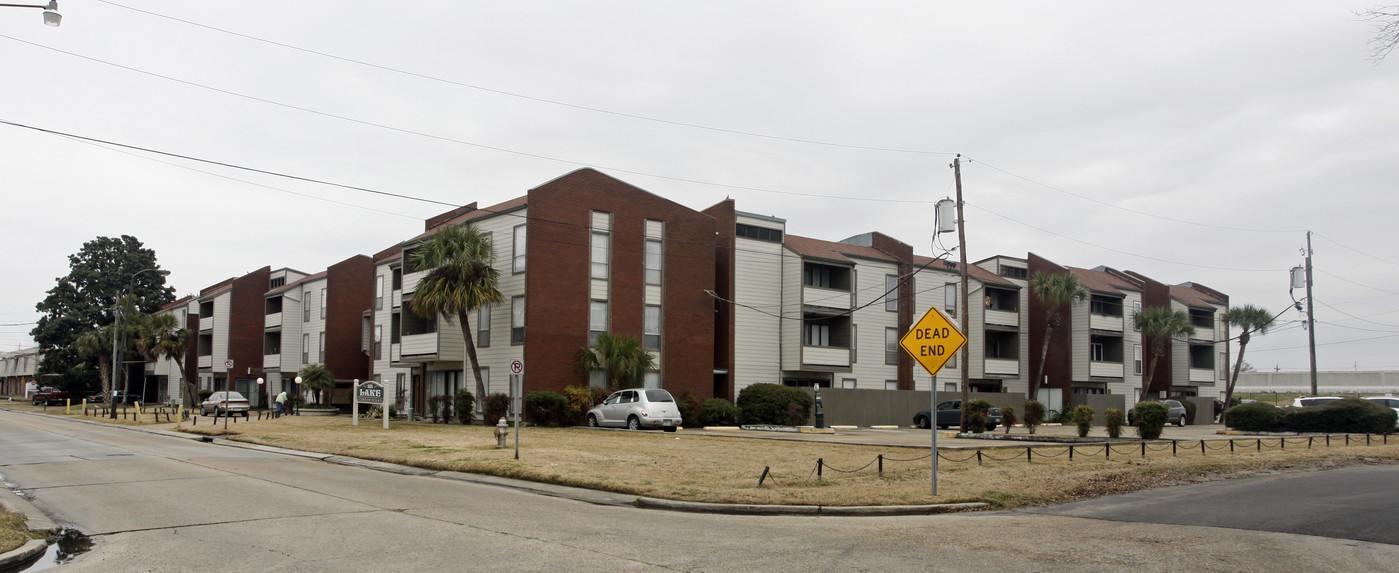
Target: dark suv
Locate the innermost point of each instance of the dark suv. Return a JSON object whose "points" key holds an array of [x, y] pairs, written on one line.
{"points": [[1176, 415], [950, 414]]}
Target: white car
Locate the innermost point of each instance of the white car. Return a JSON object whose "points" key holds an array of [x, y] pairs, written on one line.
{"points": [[637, 408], [1387, 401], [1305, 401]]}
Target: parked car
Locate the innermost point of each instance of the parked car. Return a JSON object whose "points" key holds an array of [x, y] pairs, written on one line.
{"points": [[950, 414], [225, 404], [122, 397], [50, 396], [1305, 401], [637, 408], [1176, 414], [1387, 401]]}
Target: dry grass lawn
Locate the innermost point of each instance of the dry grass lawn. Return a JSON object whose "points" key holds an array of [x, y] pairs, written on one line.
{"points": [[13, 533], [726, 469]]}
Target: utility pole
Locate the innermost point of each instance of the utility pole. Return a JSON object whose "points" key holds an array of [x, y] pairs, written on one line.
{"points": [[1311, 322], [962, 306]]}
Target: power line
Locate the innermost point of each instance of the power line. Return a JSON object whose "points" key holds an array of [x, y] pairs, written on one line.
{"points": [[1340, 244], [530, 97]]}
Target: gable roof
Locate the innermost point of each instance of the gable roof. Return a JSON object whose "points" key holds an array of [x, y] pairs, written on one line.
{"points": [[833, 251], [1103, 281]]}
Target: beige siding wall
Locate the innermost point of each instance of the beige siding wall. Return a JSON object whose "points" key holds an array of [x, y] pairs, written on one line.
{"points": [[869, 369], [791, 327], [758, 284]]}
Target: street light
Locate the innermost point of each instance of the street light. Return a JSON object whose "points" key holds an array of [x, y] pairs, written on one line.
{"points": [[121, 331], [299, 397], [51, 15]]}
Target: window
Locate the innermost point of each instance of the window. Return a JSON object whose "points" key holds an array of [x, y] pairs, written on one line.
{"points": [[517, 320], [397, 279], [597, 316], [483, 327], [847, 382], [320, 349], [759, 233], [517, 247], [1136, 308], [601, 247], [817, 335], [652, 327], [413, 324], [305, 349], [378, 341], [891, 293], [949, 299], [891, 346], [485, 381], [1015, 272], [396, 328], [653, 262], [1137, 358], [891, 384], [815, 276], [305, 306], [854, 343], [1095, 352], [206, 308], [277, 282], [379, 293], [322, 303]]}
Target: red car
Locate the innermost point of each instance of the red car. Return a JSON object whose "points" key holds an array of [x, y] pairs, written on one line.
{"points": [[50, 396]]}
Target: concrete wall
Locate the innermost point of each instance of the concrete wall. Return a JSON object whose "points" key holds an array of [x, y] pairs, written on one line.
{"points": [[1355, 382], [858, 407]]}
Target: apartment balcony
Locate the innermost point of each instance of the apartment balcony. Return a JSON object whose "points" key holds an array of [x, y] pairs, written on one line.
{"points": [[827, 356], [1202, 335], [1003, 318], [206, 361], [419, 344], [1202, 375], [273, 320], [410, 283], [206, 323], [1105, 369], [1105, 322], [826, 298], [1002, 367], [271, 361]]}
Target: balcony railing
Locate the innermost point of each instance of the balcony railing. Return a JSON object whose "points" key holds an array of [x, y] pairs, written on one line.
{"points": [[825, 297], [1002, 367], [1202, 375], [825, 356], [1105, 369], [1002, 318], [1105, 322], [271, 320]]}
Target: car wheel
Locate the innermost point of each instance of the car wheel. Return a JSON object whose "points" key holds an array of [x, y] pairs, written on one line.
{"points": [[921, 422], [1181, 422], [633, 423], [592, 421], [990, 427]]}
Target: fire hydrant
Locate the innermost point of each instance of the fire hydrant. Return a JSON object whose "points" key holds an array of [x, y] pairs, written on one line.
{"points": [[501, 432]]}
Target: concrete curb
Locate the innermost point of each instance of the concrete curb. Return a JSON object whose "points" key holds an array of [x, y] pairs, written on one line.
{"points": [[36, 520], [24, 556]]}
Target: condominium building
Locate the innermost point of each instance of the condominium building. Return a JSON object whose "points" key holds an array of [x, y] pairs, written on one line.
{"points": [[17, 370]]}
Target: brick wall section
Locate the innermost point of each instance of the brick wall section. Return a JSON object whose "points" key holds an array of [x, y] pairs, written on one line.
{"points": [[349, 292], [904, 253], [246, 323], [1058, 362], [557, 281], [726, 221], [1155, 293]]}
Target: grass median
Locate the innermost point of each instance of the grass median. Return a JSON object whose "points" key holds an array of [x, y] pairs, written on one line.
{"points": [[726, 469]]}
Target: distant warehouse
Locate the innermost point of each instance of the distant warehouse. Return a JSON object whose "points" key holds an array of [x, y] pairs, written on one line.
{"points": [[1354, 382]]}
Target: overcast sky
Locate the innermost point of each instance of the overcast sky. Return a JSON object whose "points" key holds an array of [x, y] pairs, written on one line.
{"points": [[1190, 141]]}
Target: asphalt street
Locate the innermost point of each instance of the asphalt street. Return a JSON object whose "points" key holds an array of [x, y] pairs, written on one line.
{"points": [[160, 503]]}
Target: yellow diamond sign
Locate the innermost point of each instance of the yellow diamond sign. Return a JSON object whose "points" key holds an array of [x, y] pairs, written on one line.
{"points": [[933, 341]]}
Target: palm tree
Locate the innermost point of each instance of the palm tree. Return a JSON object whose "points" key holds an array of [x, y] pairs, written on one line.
{"points": [[1249, 319], [1055, 291], [459, 281], [317, 378], [157, 337], [622, 358], [98, 344], [1160, 324]]}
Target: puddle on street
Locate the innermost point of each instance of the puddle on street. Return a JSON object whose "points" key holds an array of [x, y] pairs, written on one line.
{"points": [[63, 548]]}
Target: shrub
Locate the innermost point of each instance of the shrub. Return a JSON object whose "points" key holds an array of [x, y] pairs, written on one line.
{"points": [[465, 405], [1190, 409], [1349, 415], [580, 400], [718, 412], [445, 402], [434, 407], [495, 407], [1083, 418], [773, 404], [1008, 417], [1151, 419], [978, 416], [1254, 417], [1034, 415], [689, 408], [546, 408], [205, 394], [1114, 419]]}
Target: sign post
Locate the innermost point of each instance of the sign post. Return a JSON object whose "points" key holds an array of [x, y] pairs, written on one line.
{"points": [[933, 341], [517, 383], [370, 392]]}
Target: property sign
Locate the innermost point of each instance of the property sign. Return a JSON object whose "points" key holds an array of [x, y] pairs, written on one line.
{"points": [[933, 341], [370, 393]]}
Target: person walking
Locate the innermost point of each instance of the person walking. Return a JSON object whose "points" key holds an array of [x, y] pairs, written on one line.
{"points": [[281, 403]]}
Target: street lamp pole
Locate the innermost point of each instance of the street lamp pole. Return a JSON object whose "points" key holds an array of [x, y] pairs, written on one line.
{"points": [[51, 15]]}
